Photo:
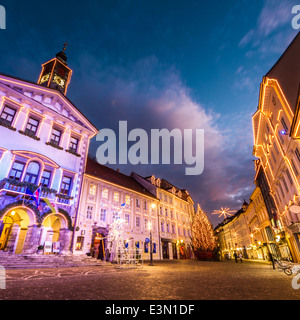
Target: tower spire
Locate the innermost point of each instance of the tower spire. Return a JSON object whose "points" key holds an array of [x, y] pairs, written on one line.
{"points": [[55, 73]]}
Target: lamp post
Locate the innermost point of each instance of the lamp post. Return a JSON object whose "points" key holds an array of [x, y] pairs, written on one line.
{"points": [[151, 244]]}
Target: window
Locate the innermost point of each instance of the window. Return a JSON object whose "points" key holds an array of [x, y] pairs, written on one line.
{"points": [[74, 142], [66, 186], [170, 200], [105, 193], [8, 115], [160, 211], [294, 168], [179, 231], [103, 215], [173, 228], [116, 196], [146, 224], [79, 243], [92, 190], [55, 136], [45, 180], [297, 153], [89, 212], [32, 173], [145, 205], [137, 221], [137, 202], [168, 227], [162, 227], [289, 177], [166, 212], [127, 219], [17, 170], [184, 232], [127, 200], [285, 185], [32, 126], [274, 159], [285, 127]]}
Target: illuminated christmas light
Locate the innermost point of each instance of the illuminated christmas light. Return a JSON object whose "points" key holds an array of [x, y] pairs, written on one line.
{"points": [[225, 212]]}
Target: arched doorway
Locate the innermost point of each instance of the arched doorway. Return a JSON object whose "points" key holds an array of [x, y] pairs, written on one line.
{"points": [[13, 229], [51, 232]]}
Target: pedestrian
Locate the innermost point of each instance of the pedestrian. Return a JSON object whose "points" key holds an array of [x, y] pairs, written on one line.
{"points": [[235, 257], [271, 259], [241, 257]]}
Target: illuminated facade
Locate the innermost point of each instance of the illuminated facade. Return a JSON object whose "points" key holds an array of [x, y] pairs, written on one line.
{"points": [[44, 140], [107, 193], [175, 215], [276, 127]]}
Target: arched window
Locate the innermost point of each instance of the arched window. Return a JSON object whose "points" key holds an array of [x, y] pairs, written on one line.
{"points": [[32, 172]]}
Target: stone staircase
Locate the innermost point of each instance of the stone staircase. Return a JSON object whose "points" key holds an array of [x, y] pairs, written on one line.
{"points": [[37, 261]]}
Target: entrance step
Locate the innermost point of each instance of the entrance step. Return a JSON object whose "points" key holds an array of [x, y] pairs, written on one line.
{"points": [[36, 261]]}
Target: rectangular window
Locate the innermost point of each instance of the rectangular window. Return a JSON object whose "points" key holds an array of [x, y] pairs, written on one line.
{"points": [[137, 221], [74, 142], [127, 200], [45, 180], [127, 219], [66, 186], [145, 205], [8, 115], [89, 212], [32, 126], [55, 136], [173, 228], [146, 224], [285, 127], [289, 177], [179, 231], [168, 227], [274, 159], [137, 202], [92, 189], [297, 153], [105, 193], [17, 170], [294, 168], [103, 215], [116, 196], [276, 148], [162, 227], [166, 212], [285, 185]]}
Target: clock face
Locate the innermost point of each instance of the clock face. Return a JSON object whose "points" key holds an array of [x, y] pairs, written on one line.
{"points": [[58, 80], [45, 78]]}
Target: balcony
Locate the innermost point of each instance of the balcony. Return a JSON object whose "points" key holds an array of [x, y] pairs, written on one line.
{"points": [[20, 187]]}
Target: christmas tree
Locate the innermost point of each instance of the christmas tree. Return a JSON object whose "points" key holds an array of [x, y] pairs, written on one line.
{"points": [[203, 238]]}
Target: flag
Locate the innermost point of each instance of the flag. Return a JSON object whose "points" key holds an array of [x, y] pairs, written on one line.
{"points": [[35, 195], [51, 205], [123, 205]]}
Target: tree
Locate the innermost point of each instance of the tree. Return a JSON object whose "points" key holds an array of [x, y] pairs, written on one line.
{"points": [[203, 238]]}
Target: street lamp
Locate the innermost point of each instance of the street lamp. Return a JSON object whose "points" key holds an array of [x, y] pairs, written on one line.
{"points": [[151, 245]]}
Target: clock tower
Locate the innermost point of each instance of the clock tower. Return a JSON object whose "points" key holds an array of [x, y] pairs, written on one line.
{"points": [[56, 74]]}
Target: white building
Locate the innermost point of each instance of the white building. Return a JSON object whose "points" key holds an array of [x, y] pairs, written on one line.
{"points": [[44, 140], [106, 193], [175, 216]]}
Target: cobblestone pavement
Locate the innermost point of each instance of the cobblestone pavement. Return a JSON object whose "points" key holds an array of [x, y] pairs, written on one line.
{"points": [[166, 280]]}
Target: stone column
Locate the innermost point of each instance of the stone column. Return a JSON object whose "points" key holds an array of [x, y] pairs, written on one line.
{"points": [[65, 238], [32, 240]]}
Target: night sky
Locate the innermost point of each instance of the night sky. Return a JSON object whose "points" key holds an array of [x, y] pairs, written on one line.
{"points": [[161, 64]]}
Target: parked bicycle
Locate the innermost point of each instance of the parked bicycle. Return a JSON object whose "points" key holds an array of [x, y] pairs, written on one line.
{"points": [[285, 266]]}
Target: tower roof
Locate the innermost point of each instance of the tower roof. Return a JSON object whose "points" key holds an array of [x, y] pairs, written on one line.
{"points": [[287, 72]]}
